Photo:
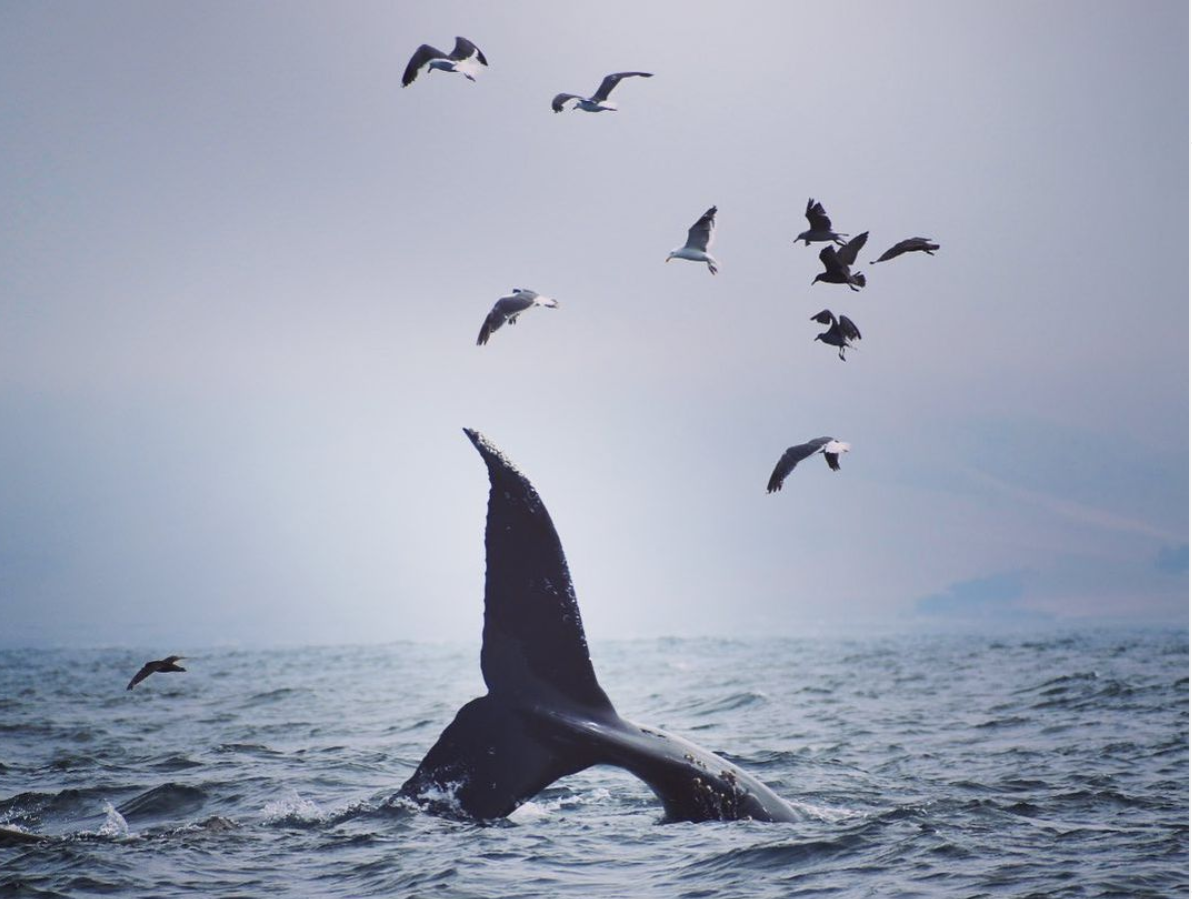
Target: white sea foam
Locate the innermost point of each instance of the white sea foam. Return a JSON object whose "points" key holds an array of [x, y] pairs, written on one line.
{"points": [[294, 809]]}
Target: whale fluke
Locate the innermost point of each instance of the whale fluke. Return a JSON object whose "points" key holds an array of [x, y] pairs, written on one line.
{"points": [[545, 715]]}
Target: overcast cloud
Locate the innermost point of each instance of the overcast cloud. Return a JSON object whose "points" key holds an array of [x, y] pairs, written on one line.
{"points": [[242, 271]]}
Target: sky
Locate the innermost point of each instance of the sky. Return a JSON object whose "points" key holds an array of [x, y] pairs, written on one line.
{"points": [[242, 271]]}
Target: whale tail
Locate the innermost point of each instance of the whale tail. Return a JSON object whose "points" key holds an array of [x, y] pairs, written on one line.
{"points": [[545, 715], [492, 757]]}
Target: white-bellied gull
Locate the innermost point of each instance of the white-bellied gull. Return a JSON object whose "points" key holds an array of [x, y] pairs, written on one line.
{"points": [[507, 309], [599, 101], [699, 238], [829, 446], [841, 333], [837, 263], [910, 245], [154, 667], [465, 59], [821, 226]]}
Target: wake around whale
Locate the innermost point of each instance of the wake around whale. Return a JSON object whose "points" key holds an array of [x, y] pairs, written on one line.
{"points": [[545, 716]]}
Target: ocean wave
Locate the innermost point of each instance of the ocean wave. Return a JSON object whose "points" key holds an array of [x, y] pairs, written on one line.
{"points": [[167, 800], [269, 697], [788, 855], [259, 749]]}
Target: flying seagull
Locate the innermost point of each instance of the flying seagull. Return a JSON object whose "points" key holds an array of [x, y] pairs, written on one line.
{"points": [[837, 262], [821, 226], [599, 101], [909, 245], [466, 58], [841, 334], [166, 664], [829, 446], [699, 238], [507, 309]]}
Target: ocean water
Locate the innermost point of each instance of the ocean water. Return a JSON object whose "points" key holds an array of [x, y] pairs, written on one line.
{"points": [[928, 766]]}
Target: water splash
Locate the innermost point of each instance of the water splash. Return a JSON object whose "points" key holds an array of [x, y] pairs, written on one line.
{"points": [[294, 809], [114, 826]]}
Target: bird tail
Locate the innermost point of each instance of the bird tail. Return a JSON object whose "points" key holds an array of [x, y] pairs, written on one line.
{"points": [[859, 279], [548, 302]]}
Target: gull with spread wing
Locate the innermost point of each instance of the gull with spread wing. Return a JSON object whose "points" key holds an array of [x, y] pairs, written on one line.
{"points": [[910, 245], [699, 238], [465, 59], [599, 101], [821, 226], [841, 333], [837, 263], [829, 446], [508, 308]]}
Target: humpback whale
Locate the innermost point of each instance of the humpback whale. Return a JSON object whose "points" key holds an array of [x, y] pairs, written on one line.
{"points": [[545, 715]]}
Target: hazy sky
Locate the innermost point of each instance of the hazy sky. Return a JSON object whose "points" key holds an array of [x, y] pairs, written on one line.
{"points": [[242, 271]]}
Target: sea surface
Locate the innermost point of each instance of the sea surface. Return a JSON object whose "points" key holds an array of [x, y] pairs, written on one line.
{"points": [[928, 766]]}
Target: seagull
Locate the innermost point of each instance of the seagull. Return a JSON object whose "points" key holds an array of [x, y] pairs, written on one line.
{"points": [[829, 446], [599, 101], [836, 263], [166, 664], [841, 334], [699, 238], [465, 59], [821, 226], [507, 309], [908, 246]]}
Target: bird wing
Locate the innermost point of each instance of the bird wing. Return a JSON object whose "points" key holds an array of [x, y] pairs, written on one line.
{"points": [[492, 321], [699, 235], [147, 669], [557, 103], [465, 48], [903, 246], [611, 81], [848, 253], [792, 457], [825, 318], [816, 217], [848, 329], [505, 310], [831, 260], [421, 57]]}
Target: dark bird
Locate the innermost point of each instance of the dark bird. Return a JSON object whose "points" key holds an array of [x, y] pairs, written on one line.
{"points": [[466, 59], [599, 101], [910, 245], [507, 309], [829, 446], [160, 665], [699, 238], [821, 226], [841, 333], [837, 263]]}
